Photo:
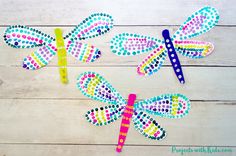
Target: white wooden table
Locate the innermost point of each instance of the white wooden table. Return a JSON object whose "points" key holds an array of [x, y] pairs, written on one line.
{"points": [[40, 116]]}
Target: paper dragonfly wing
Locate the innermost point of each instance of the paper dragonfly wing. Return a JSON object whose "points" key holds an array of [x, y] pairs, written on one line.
{"points": [[166, 105], [83, 52], [96, 87], [127, 44], [153, 62], [24, 37], [194, 49], [148, 126], [105, 115], [39, 58], [198, 23], [95, 25]]}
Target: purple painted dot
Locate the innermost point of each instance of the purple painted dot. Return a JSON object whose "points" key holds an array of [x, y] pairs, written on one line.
{"points": [[99, 31], [24, 65]]}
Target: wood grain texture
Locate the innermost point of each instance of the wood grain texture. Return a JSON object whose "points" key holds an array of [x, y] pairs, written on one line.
{"points": [[138, 12], [20, 83], [40, 116]]}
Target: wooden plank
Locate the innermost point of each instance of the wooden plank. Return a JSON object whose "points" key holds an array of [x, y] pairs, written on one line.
{"points": [[221, 37], [94, 150], [219, 82], [137, 12], [63, 122]]}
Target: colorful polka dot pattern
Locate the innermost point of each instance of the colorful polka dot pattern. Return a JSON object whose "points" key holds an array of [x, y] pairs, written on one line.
{"points": [[96, 87], [153, 62], [203, 20], [127, 44], [194, 49], [24, 37], [95, 25], [83, 52], [147, 126], [105, 115], [166, 105], [198, 23], [39, 58]]}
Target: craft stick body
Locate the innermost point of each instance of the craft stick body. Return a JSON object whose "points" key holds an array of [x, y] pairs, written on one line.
{"points": [[94, 86], [173, 56], [125, 123], [61, 53], [200, 22]]}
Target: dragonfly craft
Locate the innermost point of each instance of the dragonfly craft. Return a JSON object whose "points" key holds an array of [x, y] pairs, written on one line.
{"points": [[96, 87], [24, 37], [128, 44]]}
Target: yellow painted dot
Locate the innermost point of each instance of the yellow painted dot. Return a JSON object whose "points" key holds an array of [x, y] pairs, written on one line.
{"points": [[121, 140]]}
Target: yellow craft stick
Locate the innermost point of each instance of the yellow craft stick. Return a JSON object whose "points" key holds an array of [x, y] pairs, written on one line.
{"points": [[61, 53]]}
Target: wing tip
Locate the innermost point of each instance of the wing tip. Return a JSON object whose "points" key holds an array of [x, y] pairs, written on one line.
{"points": [[140, 72], [30, 65]]}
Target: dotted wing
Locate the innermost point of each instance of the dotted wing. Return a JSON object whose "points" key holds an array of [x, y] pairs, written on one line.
{"points": [[198, 23], [166, 105], [24, 37], [194, 49], [96, 87], [95, 25], [153, 62], [127, 44], [83, 52], [39, 58], [105, 115], [147, 126]]}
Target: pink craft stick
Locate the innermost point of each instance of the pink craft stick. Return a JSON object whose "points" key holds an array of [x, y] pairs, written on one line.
{"points": [[125, 123]]}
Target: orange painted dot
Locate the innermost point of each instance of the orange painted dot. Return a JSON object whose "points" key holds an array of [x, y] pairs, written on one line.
{"points": [[121, 140]]}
